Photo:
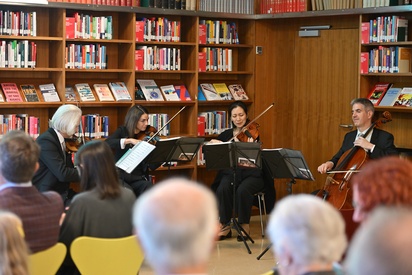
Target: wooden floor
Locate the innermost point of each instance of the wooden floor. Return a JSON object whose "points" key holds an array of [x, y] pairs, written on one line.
{"points": [[231, 256]]}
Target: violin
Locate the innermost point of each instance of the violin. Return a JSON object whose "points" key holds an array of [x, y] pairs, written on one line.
{"points": [[148, 134], [74, 143], [251, 131]]}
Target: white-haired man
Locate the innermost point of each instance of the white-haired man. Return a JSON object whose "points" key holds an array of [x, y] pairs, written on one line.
{"points": [[176, 223]]}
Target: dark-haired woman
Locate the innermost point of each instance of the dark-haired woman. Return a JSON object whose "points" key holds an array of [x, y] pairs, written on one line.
{"points": [[249, 181]]}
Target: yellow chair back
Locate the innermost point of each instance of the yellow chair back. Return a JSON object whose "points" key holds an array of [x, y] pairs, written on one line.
{"points": [[101, 256], [48, 261]]}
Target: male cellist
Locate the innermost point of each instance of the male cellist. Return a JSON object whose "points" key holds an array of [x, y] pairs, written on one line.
{"points": [[377, 143]]}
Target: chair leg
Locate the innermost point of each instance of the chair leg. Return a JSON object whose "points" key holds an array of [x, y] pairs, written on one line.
{"points": [[264, 211], [260, 213]]}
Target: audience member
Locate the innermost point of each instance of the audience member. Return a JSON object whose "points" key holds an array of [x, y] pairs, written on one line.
{"points": [[176, 222], [308, 235], [383, 244], [39, 212], [56, 169], [104, 208], [13, 248], [386, 181]]}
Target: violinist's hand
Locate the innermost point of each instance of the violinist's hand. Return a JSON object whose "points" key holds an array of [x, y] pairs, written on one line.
{"points": [[325, 167], [131, 141], [364, 143], [215, 141]]}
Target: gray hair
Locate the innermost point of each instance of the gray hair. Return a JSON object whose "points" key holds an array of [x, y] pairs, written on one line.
{"points": [[176, 222], [383, 243], [311, 229], [66, 119]]}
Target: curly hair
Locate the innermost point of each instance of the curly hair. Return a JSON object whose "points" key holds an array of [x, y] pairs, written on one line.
{"points": [[385, 181]]}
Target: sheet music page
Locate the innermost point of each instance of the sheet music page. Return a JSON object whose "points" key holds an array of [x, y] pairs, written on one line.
{"points": [[135, 156]]}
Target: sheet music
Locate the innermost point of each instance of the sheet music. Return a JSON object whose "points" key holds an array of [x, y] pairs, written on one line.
{"points": [[133, 157]]}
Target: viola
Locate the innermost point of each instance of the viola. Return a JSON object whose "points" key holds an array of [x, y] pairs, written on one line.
{"points": [[251, 131], [148, 135], [74, 143]]}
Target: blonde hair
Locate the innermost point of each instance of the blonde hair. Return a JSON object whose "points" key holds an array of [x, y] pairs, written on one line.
{"points": [[13, 248]]}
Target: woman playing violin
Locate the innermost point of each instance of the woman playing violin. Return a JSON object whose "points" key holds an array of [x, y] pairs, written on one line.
{"points": [[126, 136], [249, 181]]}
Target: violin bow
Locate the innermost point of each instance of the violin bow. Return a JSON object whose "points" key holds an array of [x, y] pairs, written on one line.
{"points": [[167, 123], [253, 120]]}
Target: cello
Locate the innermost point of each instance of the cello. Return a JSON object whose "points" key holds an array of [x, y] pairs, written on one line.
{"points": [[337, 189]]}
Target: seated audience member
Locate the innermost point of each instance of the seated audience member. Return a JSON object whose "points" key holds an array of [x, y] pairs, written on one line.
{"points": [[308, 236], [39, 212], [383, 244], [386, 181], [176, 223], [104, 208], [13, 248]]}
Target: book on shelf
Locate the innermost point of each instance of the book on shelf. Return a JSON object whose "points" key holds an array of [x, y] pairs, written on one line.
{"points": [[222, 91], [49, 92], [138, 93], [182, 92], [377, 92], [85, 92], [1, 97], [150, 89], [70, 94], [169, 93], [365, 29], [403, 60], [29, 92], [404, 98], [200, 95], [120, 92], [11, 92], [238, 92], [401, 30], [364, 63], [209, 91], [390, 97], [103, 92]]}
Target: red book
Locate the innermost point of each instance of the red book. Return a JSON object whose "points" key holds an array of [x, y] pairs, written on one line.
{"points": [[202, 34], [182, 92], [70, 21], [140, 31], [377, 92], [11, 92], [364, 63], [202, 62], [201, 124], [139, 60], [365, 32]]}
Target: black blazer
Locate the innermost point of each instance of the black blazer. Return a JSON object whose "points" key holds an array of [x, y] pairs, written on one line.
{"points": [[56, 170], [383, 141]]}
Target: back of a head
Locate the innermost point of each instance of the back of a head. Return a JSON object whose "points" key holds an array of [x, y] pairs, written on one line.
{"points": [[176, 222], [383, 244], [13, 248], [19, 154], [310, 229]]}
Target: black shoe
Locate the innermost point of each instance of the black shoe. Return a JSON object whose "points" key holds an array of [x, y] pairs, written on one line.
{"points": [[222, 232]]}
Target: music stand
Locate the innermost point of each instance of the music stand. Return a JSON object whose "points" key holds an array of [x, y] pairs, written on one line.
{"points": [[285, 163], [233, 155], [179, 149]]}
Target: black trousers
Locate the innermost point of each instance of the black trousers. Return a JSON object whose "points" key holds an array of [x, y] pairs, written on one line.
{"points": [[137, 183], [246, 188]]}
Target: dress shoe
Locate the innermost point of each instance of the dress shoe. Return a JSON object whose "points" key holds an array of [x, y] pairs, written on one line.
{"points": [[225, 233]]}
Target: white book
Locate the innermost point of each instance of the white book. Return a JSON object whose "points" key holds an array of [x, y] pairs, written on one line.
{"points": [[49, 93], [103, 92], [209, 91], [169, 93], [120, 91], [85, 92], [150, 89]]}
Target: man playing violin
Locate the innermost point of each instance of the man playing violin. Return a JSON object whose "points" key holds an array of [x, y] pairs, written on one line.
{"points": [[126, 136], [377, 143], [56, 169]]}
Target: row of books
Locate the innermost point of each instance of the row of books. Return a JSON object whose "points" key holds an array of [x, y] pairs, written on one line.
{"points": [[385, 29], [215, 59], [23, 122], [86, 56], [383, 3], [18, 54], [219, 91], [157, 29], [86, 26], [228, 6], [11, 93], [212, 122], [283, 6], [129, 3], [387, 60], [18, 23], [383, 94], [103, 92], [94, 126], [157, 58], [147, 89], [169, 4], [217, 32], [158, 121]]}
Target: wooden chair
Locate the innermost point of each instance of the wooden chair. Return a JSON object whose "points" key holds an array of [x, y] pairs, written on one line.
{"points": [[107, 255], [48, 261]]}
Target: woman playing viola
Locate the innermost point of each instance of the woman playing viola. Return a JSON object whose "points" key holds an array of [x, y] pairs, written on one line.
{"points": [[125, 137], [249, 181]]}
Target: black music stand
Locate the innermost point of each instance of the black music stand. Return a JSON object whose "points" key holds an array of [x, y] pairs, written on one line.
{"points": [[179, 149], [285, 164], [233, 155]]}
